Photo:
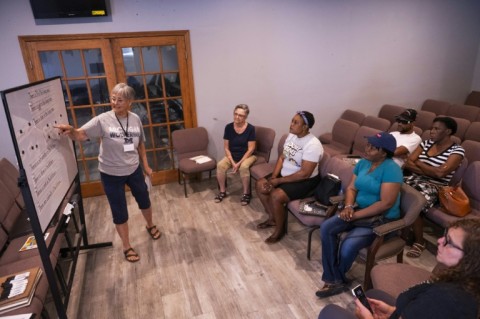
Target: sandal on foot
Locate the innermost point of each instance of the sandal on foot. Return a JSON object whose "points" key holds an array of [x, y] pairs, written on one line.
{"points": [[416, 250], [331, 290], [274, 239], [246, 199], [220, 196], [154, 232], [131, 256]]}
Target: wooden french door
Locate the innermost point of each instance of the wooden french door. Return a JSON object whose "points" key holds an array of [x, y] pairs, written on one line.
{"points": [[155, 64]]}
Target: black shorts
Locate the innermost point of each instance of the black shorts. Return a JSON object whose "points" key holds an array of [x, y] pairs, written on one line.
{"points": [[300, 189]]}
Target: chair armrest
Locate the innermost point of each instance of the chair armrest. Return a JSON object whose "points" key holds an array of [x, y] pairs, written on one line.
{"points": [[387, 228], [337, 199]]}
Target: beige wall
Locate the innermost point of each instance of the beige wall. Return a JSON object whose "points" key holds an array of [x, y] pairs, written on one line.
{"points": [[280, 56]]}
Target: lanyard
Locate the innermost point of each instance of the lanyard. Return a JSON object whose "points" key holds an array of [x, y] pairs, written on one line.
{"points": [[124, 131]]}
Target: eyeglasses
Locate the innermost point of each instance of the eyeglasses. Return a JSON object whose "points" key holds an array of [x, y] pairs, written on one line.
{"points": [[115, 99], [239, 115], [448, 241], [403, 122]]}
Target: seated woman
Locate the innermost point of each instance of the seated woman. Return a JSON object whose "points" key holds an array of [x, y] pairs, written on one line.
{"points": [[432, 164], [294, 176], [454, 293], [375, 189], [239, 143]]}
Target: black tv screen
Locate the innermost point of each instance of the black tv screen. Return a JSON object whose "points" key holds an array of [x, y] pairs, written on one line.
{"points": [[48, 9]]}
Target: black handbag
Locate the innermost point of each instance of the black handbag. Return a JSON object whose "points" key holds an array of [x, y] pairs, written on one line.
{"points": [[328, 186]]}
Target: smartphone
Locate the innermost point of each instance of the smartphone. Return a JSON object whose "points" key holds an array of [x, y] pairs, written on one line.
{"points": [[360, 294]]}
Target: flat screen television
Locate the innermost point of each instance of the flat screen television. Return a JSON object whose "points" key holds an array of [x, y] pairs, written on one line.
{"points": [[49, 9]]}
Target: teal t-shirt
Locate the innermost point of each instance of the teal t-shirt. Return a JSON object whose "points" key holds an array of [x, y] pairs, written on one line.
{"points": [[368, 185]]}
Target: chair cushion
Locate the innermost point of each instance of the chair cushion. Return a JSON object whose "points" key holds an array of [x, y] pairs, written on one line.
{"points": [[307, 220], [395, 278], [261, 170], [188, 166]]}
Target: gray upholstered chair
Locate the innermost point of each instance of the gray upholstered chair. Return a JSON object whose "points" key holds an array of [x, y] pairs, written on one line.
{"points": [[387, 245], [472, 150], [261, 170], [471, 186], [359, 142], [436, 106], [334, 165], [389, 111], [467, 112], [425, 119], [265, 138], [343, 133], [396, 278], [348, 115], [378, 123], [189, 143], [473, 132]]}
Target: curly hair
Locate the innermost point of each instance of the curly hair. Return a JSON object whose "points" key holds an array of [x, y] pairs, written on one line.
{"points": [[467, 272]]}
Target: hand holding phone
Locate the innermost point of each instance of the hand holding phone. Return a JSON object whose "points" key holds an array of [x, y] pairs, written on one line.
{"points": [[360, 294]]}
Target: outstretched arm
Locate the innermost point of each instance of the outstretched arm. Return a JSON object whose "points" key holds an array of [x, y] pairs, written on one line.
{"points": [[73, 133]]}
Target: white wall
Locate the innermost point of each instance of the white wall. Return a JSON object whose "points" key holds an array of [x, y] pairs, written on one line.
{"points": [[476, 75], [280, 56]]}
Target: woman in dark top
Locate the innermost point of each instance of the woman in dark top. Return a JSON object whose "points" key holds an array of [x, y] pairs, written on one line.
{"points": [[454, 293], [239, 143]]}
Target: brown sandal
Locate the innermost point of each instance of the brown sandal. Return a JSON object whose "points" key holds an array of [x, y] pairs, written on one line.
{"points": [[156, 234], [131, 256], [416, 250]]}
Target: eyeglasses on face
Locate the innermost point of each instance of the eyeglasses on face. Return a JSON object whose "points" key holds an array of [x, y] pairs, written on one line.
{"points": [[239, 115], [115, 99], [403, 122], [448, 241]]}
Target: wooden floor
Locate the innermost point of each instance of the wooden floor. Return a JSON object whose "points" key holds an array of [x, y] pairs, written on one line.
{"points": [[211, 262]]}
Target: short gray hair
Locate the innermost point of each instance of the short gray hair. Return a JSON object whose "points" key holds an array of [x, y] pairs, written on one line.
{"points": [[124, 91], [243, 107]]}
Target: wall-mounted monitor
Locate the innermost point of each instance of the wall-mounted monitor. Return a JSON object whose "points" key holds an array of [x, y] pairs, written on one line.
{"points": [[50, 9]]}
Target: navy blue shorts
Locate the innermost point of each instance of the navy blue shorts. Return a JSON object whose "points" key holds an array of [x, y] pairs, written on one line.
{"points": [[114, 187]]}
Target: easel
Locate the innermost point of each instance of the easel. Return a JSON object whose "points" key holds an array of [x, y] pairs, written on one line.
{"points": [[36, 107], [44, 251]]}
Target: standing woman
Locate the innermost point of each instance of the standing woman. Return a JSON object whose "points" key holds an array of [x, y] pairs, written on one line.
{"points": [[294, 176], [432, 164], [121, 149], [239, 143]]}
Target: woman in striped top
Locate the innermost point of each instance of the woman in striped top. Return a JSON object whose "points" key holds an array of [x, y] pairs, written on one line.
{"points": [[432, 164]]}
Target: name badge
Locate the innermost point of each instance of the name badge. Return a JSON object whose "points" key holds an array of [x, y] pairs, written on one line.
{"points": [[128, 148]]}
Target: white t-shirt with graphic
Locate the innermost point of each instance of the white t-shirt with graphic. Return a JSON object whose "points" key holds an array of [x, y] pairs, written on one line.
{"points": [[409, 141], [297, 149], [112, 159]]}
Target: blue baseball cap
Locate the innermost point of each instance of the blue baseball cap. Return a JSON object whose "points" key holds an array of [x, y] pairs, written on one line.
{"points": [[383, 140]]}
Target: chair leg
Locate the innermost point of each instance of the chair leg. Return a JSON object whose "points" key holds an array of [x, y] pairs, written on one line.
{"points": [[400, 257], [178, 171], [309, 243], [184, 185]]}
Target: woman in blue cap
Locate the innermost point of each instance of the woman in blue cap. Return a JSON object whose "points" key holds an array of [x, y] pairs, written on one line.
{"points": [[371, 198]]}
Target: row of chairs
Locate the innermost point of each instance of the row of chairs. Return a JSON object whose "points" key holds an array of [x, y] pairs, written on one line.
{"points": [[14, 230], [464, 111], [348, 137]]}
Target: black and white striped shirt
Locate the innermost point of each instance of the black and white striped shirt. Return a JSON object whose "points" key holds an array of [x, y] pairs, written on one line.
{"points": [[439, 159]]}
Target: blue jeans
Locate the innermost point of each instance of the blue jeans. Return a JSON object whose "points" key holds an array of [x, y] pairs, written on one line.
{"points": [[338, 257]]}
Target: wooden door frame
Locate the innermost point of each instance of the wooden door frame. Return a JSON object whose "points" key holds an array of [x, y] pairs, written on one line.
{"points": [[30, 57]]}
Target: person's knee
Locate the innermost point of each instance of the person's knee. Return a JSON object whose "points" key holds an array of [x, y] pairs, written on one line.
{"points": [[279, 196], [244, 172], [119, 219]]}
